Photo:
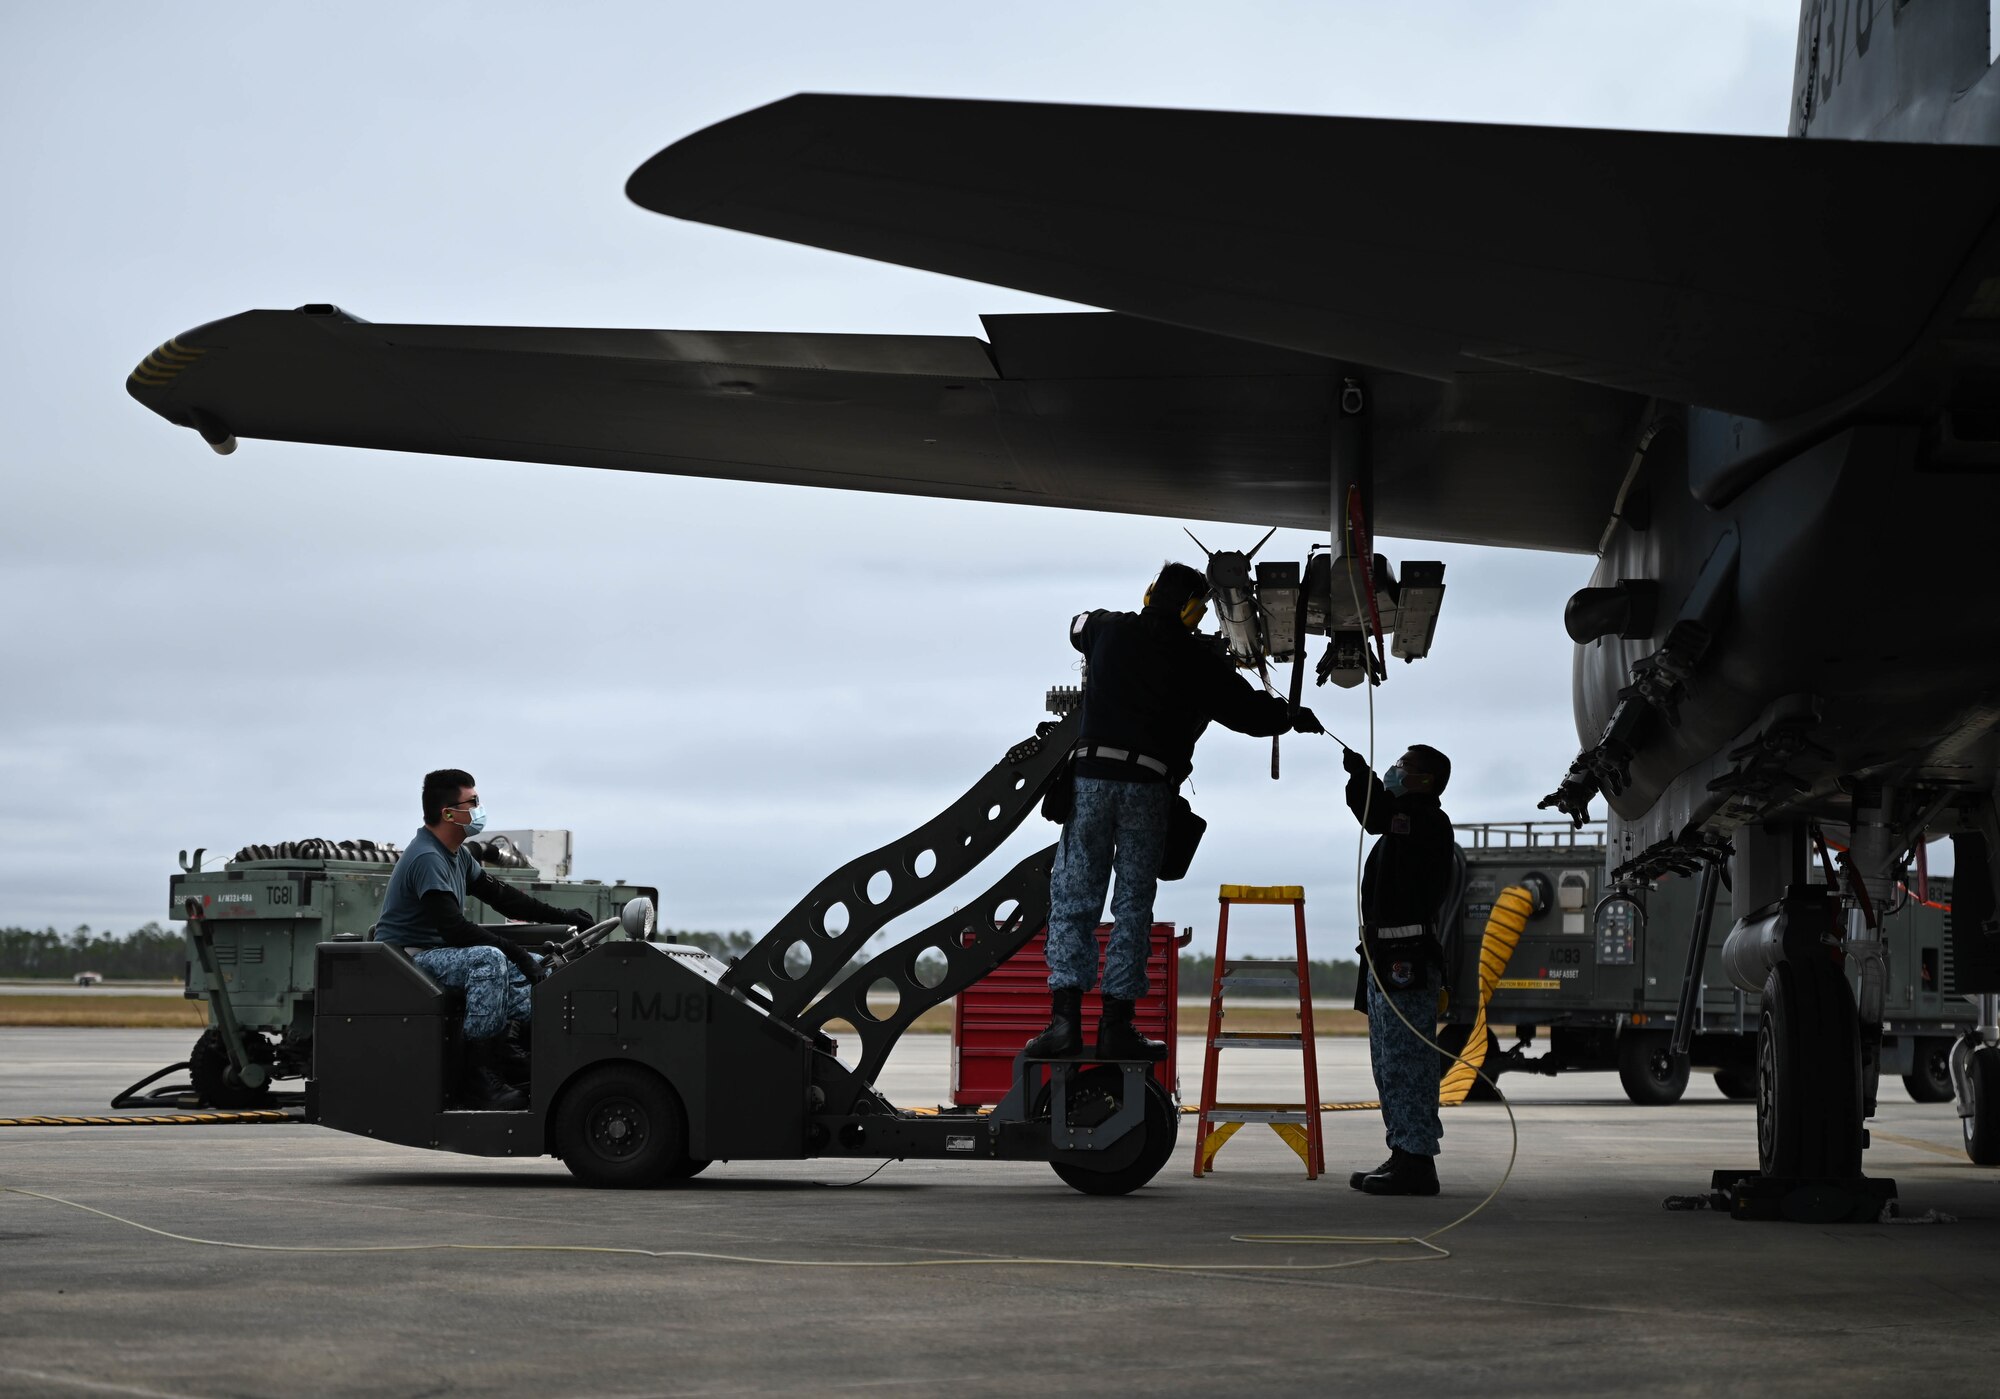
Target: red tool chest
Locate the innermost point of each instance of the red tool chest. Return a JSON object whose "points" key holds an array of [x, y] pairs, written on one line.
{"points": [[1009, 1006]]}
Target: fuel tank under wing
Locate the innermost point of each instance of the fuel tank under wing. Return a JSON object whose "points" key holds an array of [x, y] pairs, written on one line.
{"points": [[1759, 276]]}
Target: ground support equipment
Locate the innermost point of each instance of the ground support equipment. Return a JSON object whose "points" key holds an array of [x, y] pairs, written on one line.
{"points": [[652, 1060], [1298, 1124]]}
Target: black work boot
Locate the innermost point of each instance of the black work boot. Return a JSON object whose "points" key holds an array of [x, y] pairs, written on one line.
{"points": [[1118, 1038], [1405, 1174], [1064, 1037], [515, 1056], [1354, 1181], [482, 1088]]}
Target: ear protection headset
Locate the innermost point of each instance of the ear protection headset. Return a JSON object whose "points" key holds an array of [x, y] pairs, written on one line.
{"points": [[1191, 610]]}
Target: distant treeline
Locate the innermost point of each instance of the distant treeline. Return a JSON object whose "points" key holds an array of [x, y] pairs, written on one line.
{"points": [[1331, 980], [152, 953]]}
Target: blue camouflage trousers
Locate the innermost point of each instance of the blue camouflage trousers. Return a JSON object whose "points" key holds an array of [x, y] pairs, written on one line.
{"points": [[495, 991], [1114, 826], [1406, 1069]]}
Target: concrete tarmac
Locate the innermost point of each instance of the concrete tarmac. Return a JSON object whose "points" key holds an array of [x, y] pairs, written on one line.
{"points": [[1573, 1281]]}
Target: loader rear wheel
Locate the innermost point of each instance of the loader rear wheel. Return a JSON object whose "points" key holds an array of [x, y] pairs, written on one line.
{"points": [[208, 1071], [621, 1127], [687, 1168], [1093, 1099]]}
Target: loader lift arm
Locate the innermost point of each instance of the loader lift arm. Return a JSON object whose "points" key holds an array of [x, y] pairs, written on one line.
{"points": [[973, 940], [917, 866]]}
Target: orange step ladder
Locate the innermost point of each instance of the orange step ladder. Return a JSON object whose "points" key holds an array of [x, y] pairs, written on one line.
{"points": [[1297, 1124]]}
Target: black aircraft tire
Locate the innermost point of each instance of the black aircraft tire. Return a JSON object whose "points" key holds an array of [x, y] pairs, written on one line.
{"points": [[1652, 1074], [1161, 1127], [1982, 1128], [1452, 1040], [687, 1168], [1738, 1085], [208, 1071], [621, 1127], [1808, 1074], [1929, 1080]]}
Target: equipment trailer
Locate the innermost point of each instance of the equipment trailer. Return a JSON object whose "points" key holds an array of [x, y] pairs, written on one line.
{"points": [[1601, 966], [651, 1060]]}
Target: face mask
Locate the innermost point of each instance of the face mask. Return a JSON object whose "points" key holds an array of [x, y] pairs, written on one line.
{"points": [[477, 823], [1392, 780]]}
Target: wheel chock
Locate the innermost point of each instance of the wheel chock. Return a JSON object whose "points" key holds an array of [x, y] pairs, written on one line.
{"points": [[1803, 1200]]}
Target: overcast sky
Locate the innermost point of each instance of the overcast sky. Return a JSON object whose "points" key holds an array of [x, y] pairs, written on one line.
{"points": [[723, 689]]}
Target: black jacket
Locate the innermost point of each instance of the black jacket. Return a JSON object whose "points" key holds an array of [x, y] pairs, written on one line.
{"points": [[1152, 687], [1409, 869]]}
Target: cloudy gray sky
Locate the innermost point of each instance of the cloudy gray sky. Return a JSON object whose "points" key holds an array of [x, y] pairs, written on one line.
{"points": [[723, 689]]}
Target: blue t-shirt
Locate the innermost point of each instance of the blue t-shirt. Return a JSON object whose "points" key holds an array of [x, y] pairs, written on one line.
{"points": [[426, 866]]}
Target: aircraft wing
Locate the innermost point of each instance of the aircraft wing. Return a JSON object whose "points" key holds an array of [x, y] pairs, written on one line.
{"points": [[1760, 276], [1085, 410]]}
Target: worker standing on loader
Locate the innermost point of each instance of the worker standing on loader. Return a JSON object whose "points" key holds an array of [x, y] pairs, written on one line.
{"points": [[423, 912], [1402, 885], [1150, 688]]}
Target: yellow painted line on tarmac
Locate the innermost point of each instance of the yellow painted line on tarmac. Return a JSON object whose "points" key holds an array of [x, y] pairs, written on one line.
{"points": [[178, 1119], [1877, 1134]]}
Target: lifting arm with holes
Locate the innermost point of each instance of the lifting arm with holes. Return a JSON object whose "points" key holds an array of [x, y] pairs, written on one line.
{"points": [[957, 839], [973, 941]]}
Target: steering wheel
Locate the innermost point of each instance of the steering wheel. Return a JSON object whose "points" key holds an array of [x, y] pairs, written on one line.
{"points": [[578, 944], [637, 918]]}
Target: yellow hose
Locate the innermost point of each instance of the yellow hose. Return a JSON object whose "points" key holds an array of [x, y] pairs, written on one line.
{"points": [[1504, 926]]}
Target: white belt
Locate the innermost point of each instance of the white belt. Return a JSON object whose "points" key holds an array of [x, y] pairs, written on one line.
{"points": [[1401, 930], [1122, 755]]}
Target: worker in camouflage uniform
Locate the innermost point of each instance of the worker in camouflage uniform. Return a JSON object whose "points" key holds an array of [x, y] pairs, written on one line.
{"points": [[1406, 878], [1150, 688], [423, 912]]}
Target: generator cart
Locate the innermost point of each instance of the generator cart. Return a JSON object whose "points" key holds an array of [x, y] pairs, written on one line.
{"points": [[651, 1060], [1601, 968], [251, 928]]}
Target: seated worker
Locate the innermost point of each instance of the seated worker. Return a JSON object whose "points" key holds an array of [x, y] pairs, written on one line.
{"points": [[1405, 880], [1149, 689], [423, 912]]}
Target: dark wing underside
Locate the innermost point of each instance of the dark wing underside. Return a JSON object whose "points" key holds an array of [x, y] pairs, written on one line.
{"points": [[1088, 411], [1761, 276]]}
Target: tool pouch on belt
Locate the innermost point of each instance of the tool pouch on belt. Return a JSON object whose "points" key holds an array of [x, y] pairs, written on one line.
{"points": [[1184, 832], [1060, 800], [1403, 954]]}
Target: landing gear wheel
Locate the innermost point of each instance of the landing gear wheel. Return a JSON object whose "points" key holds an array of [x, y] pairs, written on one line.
{"points": [[1739, 1085], [687, 1168], [1929, 1081], [208, 1070], [1093, 1098], [1808, 1074], [1652, 1073], [1452, 1039], [621, 1127], [1982, 1121]]}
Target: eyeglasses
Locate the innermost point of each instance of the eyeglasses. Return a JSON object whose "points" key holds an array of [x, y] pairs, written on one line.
{"points": [[461, 806]]}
